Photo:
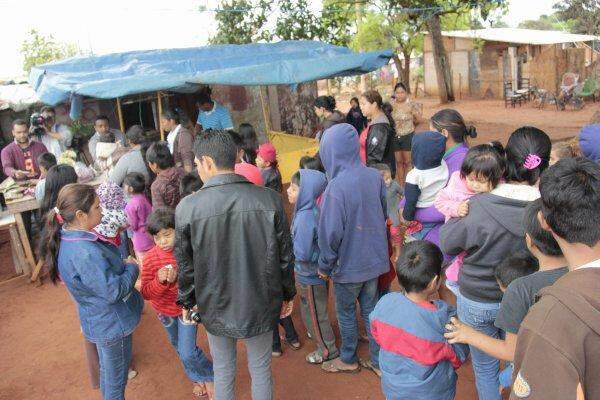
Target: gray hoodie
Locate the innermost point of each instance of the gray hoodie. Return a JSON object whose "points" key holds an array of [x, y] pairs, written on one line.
{"points": [[492, 231]]}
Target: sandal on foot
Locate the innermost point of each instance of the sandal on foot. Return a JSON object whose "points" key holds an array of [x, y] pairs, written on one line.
{"points": [[315, 358], [329, 366], [368, 364], [293, 345], [199, 390]]}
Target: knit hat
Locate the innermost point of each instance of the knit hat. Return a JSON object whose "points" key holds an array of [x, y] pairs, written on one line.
{"points": [[589, 142], [267, 152], [428, 150], [250, 172], [111, 196]]}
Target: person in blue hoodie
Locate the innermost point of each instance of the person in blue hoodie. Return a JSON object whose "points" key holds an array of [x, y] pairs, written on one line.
{"points": [[304, 190], [353, 243], [98, 279]]}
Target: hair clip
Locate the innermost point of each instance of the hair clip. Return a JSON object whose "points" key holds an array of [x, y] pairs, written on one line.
{"points": [[532, 161], [59, 218]]}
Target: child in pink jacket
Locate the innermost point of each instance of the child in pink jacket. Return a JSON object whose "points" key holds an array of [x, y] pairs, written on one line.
{"points": [[481, 171]]}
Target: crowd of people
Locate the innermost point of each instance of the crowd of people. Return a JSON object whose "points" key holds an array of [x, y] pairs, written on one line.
{"points": [[494, 248]]}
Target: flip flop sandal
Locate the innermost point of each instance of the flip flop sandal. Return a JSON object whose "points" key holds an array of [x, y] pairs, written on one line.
{"points": [[368, 364], [328, 367], [315, 358], [199, 390]]}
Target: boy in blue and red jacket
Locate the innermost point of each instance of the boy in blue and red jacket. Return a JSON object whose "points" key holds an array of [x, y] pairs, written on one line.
{"points": [[304, 190], [416, 361]]}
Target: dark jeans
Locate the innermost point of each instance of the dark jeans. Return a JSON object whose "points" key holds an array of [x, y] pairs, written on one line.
{"points": [[313, 301], [183, 338], [291, 336], [114, 357], [346, 295]]}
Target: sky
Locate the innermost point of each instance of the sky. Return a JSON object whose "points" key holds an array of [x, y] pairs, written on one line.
{"points": [[112, 26]]}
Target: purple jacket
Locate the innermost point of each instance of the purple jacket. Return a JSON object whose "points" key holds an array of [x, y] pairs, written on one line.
{"points": [[14, 160], [137, 211], [455, 157]]}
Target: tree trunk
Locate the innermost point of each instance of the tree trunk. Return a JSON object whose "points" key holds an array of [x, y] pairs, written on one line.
{"points": [[403, 72], [440, 59], [406, 77], [296, 108]]}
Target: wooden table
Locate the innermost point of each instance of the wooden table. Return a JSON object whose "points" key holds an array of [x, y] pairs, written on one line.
{"points": [[29, 203]]}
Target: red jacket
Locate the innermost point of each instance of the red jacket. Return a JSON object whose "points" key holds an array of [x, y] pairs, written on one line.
{"points": [[162, 296]]}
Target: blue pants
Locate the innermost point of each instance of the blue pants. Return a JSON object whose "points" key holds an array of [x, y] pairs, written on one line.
{"points": [[183, 338], [346, 295], [291, 335], [481, 316], [114, 357], [506, 375]]}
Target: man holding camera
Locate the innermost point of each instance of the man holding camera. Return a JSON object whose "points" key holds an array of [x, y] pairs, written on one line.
{"points": [[19, 158], [57, 137], [234, 252]]}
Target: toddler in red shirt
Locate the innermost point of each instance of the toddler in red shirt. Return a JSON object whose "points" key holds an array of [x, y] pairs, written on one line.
{"points": [[159, 286]]}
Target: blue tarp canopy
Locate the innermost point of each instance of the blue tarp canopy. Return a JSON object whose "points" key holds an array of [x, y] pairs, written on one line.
{"points": [[120, 74]]}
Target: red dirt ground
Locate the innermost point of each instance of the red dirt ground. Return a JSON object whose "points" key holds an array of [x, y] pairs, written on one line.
{"points": [[42, 354]]}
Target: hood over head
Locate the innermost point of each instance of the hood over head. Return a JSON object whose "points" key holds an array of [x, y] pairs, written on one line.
{"points": [[312, 185], [339, 149], [428, 150], [589, 142]]}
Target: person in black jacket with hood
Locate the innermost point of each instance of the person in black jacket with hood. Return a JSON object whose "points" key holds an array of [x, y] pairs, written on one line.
{"points": [[376, 140], [237, 281]]}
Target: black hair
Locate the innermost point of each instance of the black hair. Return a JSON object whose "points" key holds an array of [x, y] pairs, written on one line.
{"points": [[454, 123], [381, 167], [162, 218], [387, 109], [219, 146], [159, 154], [308, 162], [326, 102], [204, 97], [249, 142], [101, 117], [355, 99], [20, 122], [237, 140], [47, 108], [485, 162], [57, 177], [296, 178], [541, 238], [400, 85], [189, 184], [46, 160], [570, 192], [136, 182], [72, 197], [108, 137], [419, 263], [523, 143], [514, 267], [135, 135], [171, 114]]}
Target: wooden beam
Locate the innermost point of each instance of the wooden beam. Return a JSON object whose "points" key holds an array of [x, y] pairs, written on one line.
{"points": [[120, 114], [159, 104], [265, 109]]}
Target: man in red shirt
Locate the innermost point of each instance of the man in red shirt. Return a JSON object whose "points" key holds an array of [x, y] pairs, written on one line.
{"points": [[19, 158]]}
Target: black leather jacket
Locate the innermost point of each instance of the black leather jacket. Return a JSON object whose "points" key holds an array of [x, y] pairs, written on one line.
{"points": [[379, 145], [235, 256]]}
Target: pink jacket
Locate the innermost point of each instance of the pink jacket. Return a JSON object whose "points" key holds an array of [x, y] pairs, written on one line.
{"points": [[449, 198]]}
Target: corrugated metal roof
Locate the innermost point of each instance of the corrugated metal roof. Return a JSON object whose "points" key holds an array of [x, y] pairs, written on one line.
{"points": [[521, 36]]}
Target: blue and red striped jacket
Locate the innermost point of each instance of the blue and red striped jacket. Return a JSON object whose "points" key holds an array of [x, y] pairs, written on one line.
{"points": [[415, 359]]}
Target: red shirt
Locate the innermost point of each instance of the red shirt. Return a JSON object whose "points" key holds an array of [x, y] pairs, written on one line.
{"points": [[162, 296], [363, 145]]}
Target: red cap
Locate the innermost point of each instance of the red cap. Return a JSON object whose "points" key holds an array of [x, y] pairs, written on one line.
{"points": [[267, 152], [250, 172]]}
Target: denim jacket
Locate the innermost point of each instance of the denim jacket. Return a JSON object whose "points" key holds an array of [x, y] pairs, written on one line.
{"points": [[101, 284]]}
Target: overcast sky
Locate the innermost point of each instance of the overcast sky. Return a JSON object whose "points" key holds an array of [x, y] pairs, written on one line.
{"points": [[120, 25]]}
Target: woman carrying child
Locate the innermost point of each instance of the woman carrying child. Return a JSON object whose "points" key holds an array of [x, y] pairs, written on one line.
{"points": [[492, 229], [99, 281]]}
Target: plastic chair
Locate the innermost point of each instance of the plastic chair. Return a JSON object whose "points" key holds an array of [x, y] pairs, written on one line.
{"points": [[590, 87]]}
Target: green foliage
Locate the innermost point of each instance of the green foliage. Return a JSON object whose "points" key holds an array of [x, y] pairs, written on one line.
{"points": [[78, 128], [548, 23], [241, 21], [297, 21], [583, 15], [38, 49]]}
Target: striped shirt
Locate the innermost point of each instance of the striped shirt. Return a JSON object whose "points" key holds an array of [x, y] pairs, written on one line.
{"points": [[218, 118]]}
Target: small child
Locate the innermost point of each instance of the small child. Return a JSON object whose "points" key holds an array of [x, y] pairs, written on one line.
{"points": [[304, 190], [190, 184], [559, 151], [393, 196], [266, 160], [114, 219], [45, 162], [416, 361], [481, 171], [159, 287], [137, 210], [514, 267], [425, 180]]}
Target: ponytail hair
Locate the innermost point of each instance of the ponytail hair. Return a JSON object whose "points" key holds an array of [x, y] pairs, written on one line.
{"points": [[387, 110], [72, 198], [454, 123], [527, 155]]}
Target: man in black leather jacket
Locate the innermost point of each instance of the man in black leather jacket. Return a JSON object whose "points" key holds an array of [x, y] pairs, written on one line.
{"points": [[234, 253]]}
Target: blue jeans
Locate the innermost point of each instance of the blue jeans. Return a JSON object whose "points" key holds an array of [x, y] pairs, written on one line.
{"points": [[114, 357], [183, 338], [506, 375], [346, 295], [481, 316]]}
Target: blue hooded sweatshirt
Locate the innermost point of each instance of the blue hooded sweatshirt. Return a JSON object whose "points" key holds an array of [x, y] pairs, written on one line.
{"points": [[352, 226], [304, 227], [589, 142]]}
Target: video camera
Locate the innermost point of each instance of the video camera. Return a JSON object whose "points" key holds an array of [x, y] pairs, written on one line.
{"points": [[36, 125]]}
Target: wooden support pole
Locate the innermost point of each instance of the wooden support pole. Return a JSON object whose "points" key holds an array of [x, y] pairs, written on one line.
{"points": [[30, 264], [265, 109], [159, 104], [120, 114]]}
